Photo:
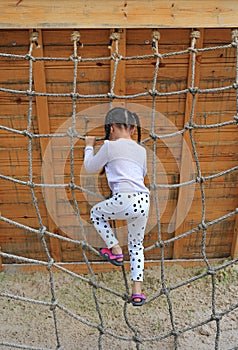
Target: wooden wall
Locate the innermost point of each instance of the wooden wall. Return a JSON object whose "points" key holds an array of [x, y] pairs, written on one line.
{"points": [[216, 147]]}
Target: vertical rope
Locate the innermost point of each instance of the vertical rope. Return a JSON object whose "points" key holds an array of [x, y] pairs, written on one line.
{"points": [[33, 40]]}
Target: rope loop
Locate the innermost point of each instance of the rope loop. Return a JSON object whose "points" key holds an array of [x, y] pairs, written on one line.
{"points": [[155, 41], [34, 37], [195, 34], [115, 36], [75, 36], [234, 35]]}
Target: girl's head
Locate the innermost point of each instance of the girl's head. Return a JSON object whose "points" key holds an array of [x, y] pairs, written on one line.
{"points": [[122, 118]]}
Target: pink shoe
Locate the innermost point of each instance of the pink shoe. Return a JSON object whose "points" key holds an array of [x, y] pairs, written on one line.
{"points": [[142, 298], [112, 258]]}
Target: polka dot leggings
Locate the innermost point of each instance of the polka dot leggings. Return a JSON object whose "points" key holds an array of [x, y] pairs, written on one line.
{"points": [[134, 208]]}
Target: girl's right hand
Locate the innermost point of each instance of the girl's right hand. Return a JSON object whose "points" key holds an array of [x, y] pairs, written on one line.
{"points": [[90, 141]]}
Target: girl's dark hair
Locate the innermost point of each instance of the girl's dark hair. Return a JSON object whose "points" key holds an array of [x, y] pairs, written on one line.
{"points": [[122, 117]]}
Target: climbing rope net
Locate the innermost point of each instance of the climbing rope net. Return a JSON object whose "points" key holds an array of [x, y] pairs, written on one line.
{"points": [[135, 335]]}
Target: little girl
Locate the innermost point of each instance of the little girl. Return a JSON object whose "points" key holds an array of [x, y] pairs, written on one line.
{"points": [[124, 161]]}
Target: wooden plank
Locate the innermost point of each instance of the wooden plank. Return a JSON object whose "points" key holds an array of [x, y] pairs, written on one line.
{"points": [[44, 128], [120, 14], [185, 165]]}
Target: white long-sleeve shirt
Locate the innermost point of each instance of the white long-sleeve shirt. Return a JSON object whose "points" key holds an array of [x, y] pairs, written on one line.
{"points": [[125, 164]]}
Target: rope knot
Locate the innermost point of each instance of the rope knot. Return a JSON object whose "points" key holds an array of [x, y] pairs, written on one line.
{"points": [[160, 244], [72, 185], [153, 136], [111, 95], [42, 231], [175, 332], [216, 317], [193, 90], [28, 134], [30, 184], [200, 179], [74, 96], [71, 132], [153, 92], [137, 339], [192, 49], [50, 264], [188, 126], [53, 305], [235, 85], [101, 329], [202, 226]]}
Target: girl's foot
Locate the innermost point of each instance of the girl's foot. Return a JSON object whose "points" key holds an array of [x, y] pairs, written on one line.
{"points": [[138, 299], [116, 250], [137, 295], [115, 259]]}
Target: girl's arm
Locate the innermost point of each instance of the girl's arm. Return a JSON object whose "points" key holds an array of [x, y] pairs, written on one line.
{"points": [[95, 162]]}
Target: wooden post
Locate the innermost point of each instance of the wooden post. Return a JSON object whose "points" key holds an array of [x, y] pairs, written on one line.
{"points": [[44, 128], [185, 171], [234, 247]]}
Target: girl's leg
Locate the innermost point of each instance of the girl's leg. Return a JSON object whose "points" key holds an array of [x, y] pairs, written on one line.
{"points": [[136, 229], [100, 214]]}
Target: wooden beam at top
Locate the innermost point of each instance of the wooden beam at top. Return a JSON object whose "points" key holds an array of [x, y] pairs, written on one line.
{"points": [[118, 13]]}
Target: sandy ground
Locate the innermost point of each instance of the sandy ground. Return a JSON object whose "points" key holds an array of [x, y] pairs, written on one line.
{"points": [[83, 308]]}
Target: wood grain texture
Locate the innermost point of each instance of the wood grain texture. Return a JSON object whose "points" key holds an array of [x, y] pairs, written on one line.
{"points": [[118, 14], [216, 147]]}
